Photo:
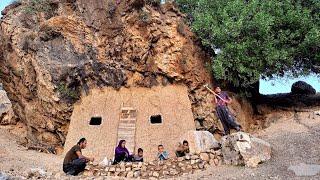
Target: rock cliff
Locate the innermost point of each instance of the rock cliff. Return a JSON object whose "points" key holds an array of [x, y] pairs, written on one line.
{"points": [[53, 52]]}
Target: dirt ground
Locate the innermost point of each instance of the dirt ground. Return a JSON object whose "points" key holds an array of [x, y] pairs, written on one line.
{"points": [[294, 139]]}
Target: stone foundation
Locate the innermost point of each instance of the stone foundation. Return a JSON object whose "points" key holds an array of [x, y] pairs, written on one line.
{"points": [[158, 169]]}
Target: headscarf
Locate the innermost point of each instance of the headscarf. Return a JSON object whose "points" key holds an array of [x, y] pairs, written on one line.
{"points": [[120, 150]]}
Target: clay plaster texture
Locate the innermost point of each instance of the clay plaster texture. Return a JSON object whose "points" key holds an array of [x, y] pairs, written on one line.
{"points": [[171, 102]]}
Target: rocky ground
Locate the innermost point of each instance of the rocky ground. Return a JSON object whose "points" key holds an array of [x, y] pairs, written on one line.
{"points": [[294, 138]]}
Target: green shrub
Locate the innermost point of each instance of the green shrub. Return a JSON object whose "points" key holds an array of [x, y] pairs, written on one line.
{"points": [[144, 17], [35, 6], [67, 93], [258, 38]]}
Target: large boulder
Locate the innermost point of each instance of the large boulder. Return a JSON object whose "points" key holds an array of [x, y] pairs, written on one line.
{"points": [[243, 149], [6, 112], [301, 87], [200, 141]]}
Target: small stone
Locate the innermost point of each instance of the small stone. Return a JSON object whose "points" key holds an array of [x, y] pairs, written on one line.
{"points": [[122, 165], [193, 161], [194, 166], [165, 173], [136, 169], [218, 152], [206, 166], [211, 162], [194, 157], [123, 174], [201, 165], [136, 174], [216, 162], [96, 172], [180, 159], [187, 157], [204, 157], [140, 164], [173, 172], [134, 165], [106, 169], [183, 168], [197, 171], [212, 156], [118, 169], [129, 164], [144, 174], [180, 164], [87, 173], [122, 169], [112, 169], [155, 174], [130, 174], [189, 167], [164, 167], [116, 173], [128, 169]]}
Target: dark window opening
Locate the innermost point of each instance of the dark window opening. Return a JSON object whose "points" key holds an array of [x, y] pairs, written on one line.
{"points": [[156, 119], [95, 121]]}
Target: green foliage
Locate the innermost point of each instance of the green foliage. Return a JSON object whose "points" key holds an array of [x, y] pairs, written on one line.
{"points": [[67, 93], [155, 3], [258, 38], [35, 6], [144, 16], [181, 28]]}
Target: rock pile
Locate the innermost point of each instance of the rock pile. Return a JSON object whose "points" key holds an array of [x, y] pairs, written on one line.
{"points": [[243, 149], [159, 169]]}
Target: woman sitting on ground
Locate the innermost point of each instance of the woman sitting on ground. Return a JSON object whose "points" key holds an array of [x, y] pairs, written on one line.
{"points": [[122, 153], [183, 149]]}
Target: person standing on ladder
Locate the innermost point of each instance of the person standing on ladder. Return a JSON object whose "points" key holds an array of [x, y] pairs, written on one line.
{"points": [[222, 101]]}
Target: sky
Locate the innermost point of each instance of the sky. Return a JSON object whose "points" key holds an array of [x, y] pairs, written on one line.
{"points": [[283, 85], [3, 4], [277, 85]]}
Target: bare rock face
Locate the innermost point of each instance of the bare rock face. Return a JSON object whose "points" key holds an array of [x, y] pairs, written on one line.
{"points": [[243, 149], [200, 141], [301, 87], [53, 53], [6, 112]]}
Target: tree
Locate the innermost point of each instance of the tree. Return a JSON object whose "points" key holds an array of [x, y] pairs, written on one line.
{"points": [[257, 38]]}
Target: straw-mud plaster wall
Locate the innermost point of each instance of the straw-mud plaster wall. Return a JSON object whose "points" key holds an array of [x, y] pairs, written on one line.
{"points": [[171, 102]]}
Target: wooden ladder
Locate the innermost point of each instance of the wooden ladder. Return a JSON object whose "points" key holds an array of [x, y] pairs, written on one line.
{"points": [[127, 127]]}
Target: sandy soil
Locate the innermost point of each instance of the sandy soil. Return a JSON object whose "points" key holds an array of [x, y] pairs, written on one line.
{"points": [[294, 139]]}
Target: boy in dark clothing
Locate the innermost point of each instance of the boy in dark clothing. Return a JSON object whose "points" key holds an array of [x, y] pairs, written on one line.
{"points": [[182, 149], [74, 162], [227, 120]]}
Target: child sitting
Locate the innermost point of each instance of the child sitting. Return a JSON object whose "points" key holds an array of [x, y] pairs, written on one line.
{"points": [[139, 156], [162, 154]]}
